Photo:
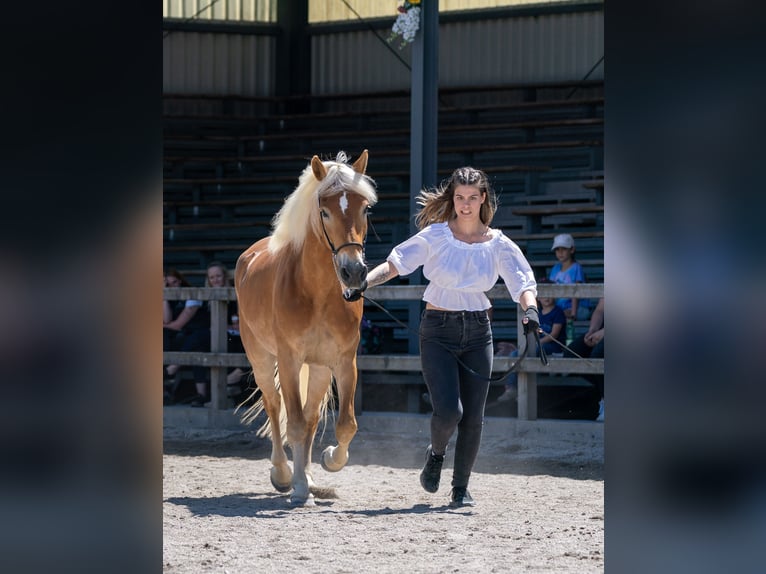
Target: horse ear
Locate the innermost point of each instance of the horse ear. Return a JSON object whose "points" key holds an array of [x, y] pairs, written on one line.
{"points": [[320, 171], [360, 165]]}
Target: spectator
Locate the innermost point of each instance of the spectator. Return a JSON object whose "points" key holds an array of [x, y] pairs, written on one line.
{"points": [[552, 322], [591, 345], [217, 276], [462, 258], [179, 318], [568, 271]]}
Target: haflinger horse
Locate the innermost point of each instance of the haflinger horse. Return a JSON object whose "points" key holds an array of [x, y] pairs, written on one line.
{"points": [[300, 313]]}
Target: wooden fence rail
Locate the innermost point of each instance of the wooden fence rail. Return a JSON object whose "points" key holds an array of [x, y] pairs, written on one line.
{"points": [[219, 360]]}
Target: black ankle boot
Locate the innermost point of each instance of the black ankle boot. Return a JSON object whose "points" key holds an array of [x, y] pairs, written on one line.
{"points": [[461, 497], [431, 473]]}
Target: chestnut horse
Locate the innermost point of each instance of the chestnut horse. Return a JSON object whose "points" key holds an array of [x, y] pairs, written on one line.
{"points": [[292, 289]]}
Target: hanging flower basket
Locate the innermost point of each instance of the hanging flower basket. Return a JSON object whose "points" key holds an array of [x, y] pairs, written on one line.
{"points": [[407, 23]]}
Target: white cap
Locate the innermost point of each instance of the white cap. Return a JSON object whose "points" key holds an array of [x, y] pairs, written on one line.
{"points": [[563, 240]]}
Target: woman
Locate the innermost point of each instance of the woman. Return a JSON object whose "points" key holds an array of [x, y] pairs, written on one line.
{"points": [[462, 257], [178, 317], [217, 275]]}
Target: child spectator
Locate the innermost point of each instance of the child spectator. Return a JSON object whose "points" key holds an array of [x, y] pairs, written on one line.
{"points": [[568, 271], [552, 322]]}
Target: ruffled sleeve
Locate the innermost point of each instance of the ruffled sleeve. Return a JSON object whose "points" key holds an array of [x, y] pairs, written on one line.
{"points": [[515, 270], [412, 253]]}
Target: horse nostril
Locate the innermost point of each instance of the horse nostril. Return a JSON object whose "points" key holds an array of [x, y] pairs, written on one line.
{"points": [[364, 272], [345, 275]]}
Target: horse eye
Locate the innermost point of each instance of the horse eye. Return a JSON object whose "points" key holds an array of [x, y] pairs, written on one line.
{"points": [[368, 210], [324, 214]]}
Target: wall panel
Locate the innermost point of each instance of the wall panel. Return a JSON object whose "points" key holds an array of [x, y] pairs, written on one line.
{"points": [[546, 48], [559, 46], [225, 64]]}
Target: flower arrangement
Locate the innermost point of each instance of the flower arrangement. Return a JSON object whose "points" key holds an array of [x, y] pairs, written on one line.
{"points": [[407, 23]]}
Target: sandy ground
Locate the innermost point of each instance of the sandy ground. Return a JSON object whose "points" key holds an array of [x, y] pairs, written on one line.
{"points": [[539, 509]]}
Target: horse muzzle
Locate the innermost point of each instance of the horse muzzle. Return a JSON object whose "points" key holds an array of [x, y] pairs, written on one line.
{"points": [[352, 273]]}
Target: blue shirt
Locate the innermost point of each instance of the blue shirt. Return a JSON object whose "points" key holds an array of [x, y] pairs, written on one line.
{"points": [[574, 274]]}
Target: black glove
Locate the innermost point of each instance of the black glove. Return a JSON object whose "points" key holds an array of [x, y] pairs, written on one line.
{"points": [[530, 320], [352, 295]]}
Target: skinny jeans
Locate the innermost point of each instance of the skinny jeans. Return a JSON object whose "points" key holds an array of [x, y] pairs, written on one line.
{"points": [[450, 341]]}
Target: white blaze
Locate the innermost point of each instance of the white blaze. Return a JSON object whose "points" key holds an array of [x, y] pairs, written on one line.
{"points": [[343, 203]]}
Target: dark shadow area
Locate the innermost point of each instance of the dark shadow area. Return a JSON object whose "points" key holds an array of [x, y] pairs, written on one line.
{"points": [[267, 505]]}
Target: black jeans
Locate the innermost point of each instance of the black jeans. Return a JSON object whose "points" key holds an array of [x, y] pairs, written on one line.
{"points": [[458, 395]]}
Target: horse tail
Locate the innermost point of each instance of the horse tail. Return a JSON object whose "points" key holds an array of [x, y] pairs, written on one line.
{"points": [[256, 408], [266, 430]]}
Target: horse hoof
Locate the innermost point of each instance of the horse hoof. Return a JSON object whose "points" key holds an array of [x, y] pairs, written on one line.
{"points": [[302, 501], [327, 460], [280, 487]]}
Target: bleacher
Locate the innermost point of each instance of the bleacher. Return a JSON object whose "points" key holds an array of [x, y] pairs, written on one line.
{"points": [[228, 169]]}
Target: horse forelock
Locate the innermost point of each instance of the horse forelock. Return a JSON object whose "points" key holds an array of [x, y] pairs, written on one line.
{"points": [[298, 214]]}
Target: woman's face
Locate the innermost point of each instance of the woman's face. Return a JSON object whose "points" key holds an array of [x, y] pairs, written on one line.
{"points": [[216, 277], [468, 200], [172, 281]]}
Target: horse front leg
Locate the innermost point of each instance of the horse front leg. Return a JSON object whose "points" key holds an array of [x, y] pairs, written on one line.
{"points": [[317, 390], [292, 377], [335, 458], [281, 475]]}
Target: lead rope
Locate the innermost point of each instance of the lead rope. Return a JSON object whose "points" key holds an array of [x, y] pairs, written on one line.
{"points": [[543, 356]]}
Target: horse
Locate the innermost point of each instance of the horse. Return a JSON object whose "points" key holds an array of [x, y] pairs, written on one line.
{"points": [[299, 312]]}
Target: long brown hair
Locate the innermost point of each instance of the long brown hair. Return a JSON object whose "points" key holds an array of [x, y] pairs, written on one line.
{"points": [[438, 204], [173, 272]]}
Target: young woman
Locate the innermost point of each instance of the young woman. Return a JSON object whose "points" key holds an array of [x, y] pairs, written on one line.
{"points": [[179, 318], [217, 276], [462, 257]]}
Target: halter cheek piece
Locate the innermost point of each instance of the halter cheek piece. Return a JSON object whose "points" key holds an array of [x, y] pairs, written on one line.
{"points": [[332, 245]]}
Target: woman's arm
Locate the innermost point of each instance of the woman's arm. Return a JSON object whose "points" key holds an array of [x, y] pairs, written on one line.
{"points": [[167, 313], [382, 273], [183, 318], [527, 300], [597, 318]]}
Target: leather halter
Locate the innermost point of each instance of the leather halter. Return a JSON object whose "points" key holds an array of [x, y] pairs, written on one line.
{"points": [[332, 245]]}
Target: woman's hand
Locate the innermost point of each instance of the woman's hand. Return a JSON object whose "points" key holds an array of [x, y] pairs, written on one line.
{"points": [[593, 339]]}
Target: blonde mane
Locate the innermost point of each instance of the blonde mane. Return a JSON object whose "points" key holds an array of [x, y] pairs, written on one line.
{"points": [[291, 224]]}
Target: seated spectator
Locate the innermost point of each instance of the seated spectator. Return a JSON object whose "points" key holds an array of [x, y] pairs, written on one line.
{"points": [[218, 276], [552, 322], [179, 319], [568, 271], [591, 345]]}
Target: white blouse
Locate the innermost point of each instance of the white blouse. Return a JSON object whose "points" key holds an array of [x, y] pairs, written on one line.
{"points": [[460, 273]]}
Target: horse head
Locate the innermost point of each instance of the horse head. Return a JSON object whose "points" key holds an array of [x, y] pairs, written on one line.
{"points": [[344, 201]]}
